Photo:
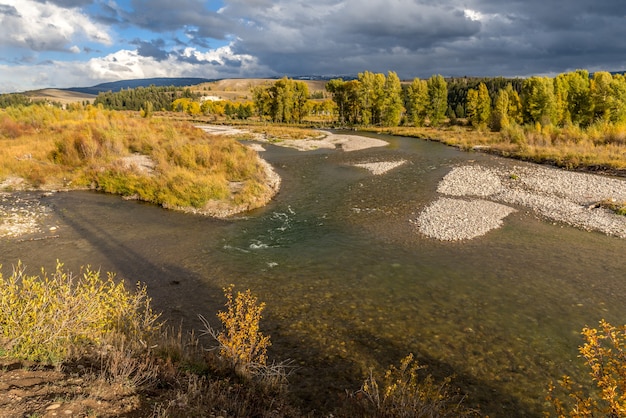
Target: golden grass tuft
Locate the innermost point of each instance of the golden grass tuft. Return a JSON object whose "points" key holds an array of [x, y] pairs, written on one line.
{"points": [[402, 392]]}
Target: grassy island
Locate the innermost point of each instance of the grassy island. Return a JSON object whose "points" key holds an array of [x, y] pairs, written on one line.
{"points": [[162, 161]]}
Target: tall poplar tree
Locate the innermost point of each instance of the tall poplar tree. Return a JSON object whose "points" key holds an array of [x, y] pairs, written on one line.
{"points": [[392, 103], [515, 105], [578, 97], [417, 102], [371, 97], [561, 101], [600, 93], [438, 99], [538, 100], [500, 114], [618, 98], [479, 106], [337, 89]]}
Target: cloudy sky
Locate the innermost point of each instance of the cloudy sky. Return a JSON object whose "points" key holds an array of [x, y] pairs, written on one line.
{"points": [[79, 43]]}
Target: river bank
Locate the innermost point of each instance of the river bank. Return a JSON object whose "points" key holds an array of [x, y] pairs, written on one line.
{"points": [[473, 199]]}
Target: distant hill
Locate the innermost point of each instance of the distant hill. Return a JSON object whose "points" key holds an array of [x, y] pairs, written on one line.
{"points": [[116, 86], [228, 88], [60, 95]]}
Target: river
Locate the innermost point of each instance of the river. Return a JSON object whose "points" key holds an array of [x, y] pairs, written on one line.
{"points": [[351, 285]]}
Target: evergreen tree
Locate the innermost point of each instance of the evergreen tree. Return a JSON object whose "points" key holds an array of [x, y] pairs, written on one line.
{"points": [[459, 111]]}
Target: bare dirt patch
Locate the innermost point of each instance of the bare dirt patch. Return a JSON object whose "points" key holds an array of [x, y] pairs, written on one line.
{"points": [[72, 390], [140, 163]]}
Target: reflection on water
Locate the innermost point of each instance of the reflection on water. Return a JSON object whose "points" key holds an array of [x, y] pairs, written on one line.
{"points": [[350, 285]]}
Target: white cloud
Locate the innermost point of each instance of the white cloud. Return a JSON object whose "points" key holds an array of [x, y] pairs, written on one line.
{"points": [[473, 15], [128, 64], [46, 27]]}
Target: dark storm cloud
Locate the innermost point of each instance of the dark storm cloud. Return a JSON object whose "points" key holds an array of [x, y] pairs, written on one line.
{"points": [[424, 37], [155, 49], [167, 16]]}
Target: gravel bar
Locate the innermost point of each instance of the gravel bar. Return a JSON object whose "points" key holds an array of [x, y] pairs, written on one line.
{"points": [[21, 214], [558, 195]]}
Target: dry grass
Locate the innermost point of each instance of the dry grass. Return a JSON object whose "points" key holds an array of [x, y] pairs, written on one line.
{"points": [[403, 393], [599, 147], [89, 148], [241, 89], [280, 132]]}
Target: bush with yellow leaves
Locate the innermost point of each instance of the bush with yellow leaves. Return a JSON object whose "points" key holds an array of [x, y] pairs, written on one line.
{"points": [[241, 342], [604, 352], [51, 317]]}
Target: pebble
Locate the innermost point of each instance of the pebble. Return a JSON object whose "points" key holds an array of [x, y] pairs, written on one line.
{"points": [[554, 194]]}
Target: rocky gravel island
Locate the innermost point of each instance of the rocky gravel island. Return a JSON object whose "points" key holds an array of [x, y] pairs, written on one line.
{"points": [[475, 199]]}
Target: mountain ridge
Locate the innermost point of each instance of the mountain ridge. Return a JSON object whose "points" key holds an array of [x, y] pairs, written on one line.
{"points": [[115, 86]]}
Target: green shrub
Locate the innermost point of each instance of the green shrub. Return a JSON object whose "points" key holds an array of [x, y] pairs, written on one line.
{"points": [[611, 204]]}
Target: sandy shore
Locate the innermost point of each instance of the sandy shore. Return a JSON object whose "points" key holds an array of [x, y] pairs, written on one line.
{"points": [[326, 139], [483, 197]]}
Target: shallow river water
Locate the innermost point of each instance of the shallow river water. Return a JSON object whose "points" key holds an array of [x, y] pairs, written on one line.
{"points": [[351, 285]]}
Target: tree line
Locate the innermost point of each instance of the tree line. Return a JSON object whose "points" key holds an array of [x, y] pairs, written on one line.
{"points": [[18, 99], [158, 98], [573, 98]]}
